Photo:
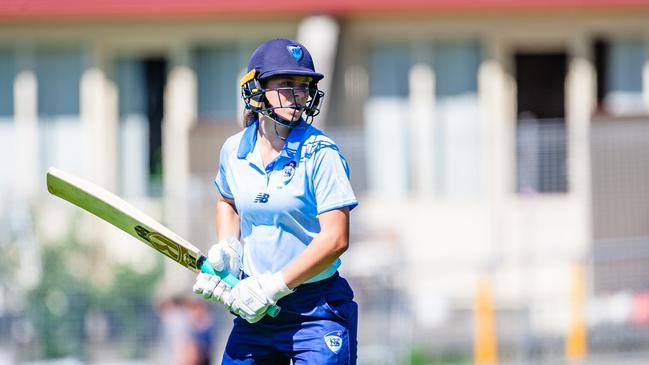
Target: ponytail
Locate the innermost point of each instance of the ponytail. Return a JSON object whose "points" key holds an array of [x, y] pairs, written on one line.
{"points": [[249, 117]]}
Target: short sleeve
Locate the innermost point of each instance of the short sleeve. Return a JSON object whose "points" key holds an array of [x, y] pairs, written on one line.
{"points": [[331, 184], [221, 180]]}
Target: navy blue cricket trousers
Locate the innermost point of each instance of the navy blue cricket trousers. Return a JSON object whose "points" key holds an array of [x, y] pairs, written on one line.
{"points": [[317, 325]]}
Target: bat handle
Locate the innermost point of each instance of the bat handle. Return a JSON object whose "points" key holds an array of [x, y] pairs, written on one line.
{"points": [[231, 280]]}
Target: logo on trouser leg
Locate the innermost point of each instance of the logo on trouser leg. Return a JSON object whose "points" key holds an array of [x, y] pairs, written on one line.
{"points": [[334, 341]]}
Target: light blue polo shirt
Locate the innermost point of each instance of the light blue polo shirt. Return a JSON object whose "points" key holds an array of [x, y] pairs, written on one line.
{"points": [[279, 205]]}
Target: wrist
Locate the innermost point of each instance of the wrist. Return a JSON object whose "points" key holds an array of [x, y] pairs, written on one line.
{"points": [[234, 244], [279, 289]]}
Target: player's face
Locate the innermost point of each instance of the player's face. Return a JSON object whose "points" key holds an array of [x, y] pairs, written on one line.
{"points": [[288, 95]]}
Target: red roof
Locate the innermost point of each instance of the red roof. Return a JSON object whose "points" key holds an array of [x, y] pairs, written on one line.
{"points": [[30, 10]]}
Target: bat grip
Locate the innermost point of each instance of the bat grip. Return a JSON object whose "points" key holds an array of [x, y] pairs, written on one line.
{"points": [[231, 280]]}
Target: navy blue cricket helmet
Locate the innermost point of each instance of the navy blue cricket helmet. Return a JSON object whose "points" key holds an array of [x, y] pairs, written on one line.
{"points": [[280, 57]]}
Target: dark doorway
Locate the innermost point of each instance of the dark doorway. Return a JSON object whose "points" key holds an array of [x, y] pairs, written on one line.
{"points": [[541, 130], [540, 78], [155, 73]]}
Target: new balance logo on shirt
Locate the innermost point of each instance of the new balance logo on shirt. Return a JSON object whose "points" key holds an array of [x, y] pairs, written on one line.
{"points": [[261, 198]]}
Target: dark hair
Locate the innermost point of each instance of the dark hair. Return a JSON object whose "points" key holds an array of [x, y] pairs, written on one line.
{"points": [[248, 117]]}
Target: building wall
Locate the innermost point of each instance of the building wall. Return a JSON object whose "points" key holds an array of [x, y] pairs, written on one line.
{"points": [[526, 242]]}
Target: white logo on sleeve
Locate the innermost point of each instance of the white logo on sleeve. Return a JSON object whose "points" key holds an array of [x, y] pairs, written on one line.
{"points": [[334, 341]]}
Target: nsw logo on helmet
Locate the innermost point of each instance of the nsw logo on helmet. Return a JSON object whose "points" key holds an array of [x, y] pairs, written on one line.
{"points": [[296, 52]]}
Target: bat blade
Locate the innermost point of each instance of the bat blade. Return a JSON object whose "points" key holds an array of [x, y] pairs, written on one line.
{"points": [[129, 219], [124, 216]]}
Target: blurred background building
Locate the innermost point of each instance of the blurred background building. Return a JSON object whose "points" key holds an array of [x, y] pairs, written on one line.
{"points": [[495, 142]]}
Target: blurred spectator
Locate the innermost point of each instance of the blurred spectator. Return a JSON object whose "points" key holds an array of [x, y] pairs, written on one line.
{"points": [[200, 349], [188, 332], [176, 330]]}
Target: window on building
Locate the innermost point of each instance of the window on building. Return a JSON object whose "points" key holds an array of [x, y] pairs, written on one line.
{"points": [[389, 67], [58, 73], [217, 74], [386, 120], [131, 87], [58, 76], [620, 64], [456, 121], [7, 75], [455, 140]]}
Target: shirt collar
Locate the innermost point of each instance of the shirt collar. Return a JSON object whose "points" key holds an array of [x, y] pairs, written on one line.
{"points": [[248, 140], [291, 147], [294, 141]]}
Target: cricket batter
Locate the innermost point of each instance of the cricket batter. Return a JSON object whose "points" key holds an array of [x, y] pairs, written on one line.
{"points": [[283, 218]]}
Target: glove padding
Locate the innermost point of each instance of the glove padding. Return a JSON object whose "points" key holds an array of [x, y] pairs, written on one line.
{"points": [[252, 296], [226, 255], [211, 287]]}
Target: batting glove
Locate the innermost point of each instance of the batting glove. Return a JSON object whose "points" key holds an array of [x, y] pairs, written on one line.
{"points": [[211, 287], [226, 255], [252, 296]]}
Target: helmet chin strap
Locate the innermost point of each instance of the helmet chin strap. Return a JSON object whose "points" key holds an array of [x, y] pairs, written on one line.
{"points": [[285, 124], [279, 121]]}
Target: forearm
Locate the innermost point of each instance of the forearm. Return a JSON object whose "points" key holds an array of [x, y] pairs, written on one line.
{"points": [[227, 220], [326, 247]]}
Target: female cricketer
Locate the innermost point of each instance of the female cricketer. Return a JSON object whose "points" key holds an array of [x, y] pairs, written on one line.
{"points": [[283, 219]]}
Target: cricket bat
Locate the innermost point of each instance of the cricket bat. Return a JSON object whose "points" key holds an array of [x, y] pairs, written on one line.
{"points": [[129, 219]]}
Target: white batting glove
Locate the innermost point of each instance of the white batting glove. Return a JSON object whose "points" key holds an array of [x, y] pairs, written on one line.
{"points": [[226, 255], [211, 287], [252, 296]]}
